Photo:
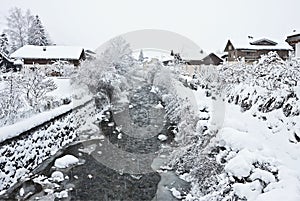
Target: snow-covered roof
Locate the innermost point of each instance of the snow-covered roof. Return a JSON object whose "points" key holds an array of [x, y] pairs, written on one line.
{"points": [[48, 52], [248, 46], [264, 47]]}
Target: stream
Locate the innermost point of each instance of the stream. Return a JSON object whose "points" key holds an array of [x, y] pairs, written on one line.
{"points": [[114, 162]]}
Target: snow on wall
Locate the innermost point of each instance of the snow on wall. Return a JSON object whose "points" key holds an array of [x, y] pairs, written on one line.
{"points": [[23, 153], [297, 53]]}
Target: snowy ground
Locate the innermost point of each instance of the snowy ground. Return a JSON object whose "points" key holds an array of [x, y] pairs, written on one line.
{"points": [[259, 153], [252, 141], [64, 88]]}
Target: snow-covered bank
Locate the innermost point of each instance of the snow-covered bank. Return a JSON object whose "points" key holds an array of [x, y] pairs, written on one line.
{"points": [[246, 147], [267, 163]]}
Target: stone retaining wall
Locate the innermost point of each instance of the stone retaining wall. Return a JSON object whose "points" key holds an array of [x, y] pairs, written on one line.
{"points": [[23, 153]]}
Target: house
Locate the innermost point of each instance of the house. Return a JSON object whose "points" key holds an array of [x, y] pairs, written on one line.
{"points": [[44, 55], [294, 41], [211, 59], [253, 50]]}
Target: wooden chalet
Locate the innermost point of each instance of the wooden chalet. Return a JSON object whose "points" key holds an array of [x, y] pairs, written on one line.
{"points": [[254, 49], [44, 55]]}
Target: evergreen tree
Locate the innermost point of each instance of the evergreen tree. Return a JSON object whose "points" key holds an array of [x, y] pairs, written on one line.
{"points": [[37, 34], [172, 53], [141, 56], [4, 46]]}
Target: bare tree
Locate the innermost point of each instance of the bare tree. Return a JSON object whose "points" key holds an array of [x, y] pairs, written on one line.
{"points": [[35, 85], [18, 25]]}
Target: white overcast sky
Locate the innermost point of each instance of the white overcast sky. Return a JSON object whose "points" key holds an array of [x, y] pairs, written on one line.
{"points": [[210, 23]]}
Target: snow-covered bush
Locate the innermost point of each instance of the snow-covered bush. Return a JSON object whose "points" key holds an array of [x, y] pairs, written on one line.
{"points": [[105, 73], [61, 68]]}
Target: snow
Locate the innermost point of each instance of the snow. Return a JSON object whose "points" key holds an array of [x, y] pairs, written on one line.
{"points": [[261, 155], [110, 124], [18, 62], [176, 193], [262, 175], [241, 165], [162, 137], [120, 136], [89, 149], [254, 142], [21, 192], [13, 130], [64, 88], [297, 52], [66, 161], [52, 52], [249, 190], [57, 176], [159, 106], [62, 194]]}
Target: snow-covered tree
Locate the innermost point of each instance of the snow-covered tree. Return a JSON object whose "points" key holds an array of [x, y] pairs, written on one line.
{"points": [[104, 73], [118, 55], [18, 24], [35, 85], [11, 100], [141, 56], [4, 46], [37, 34]]}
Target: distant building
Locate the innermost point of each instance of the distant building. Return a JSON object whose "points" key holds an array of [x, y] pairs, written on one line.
{"points": [[253, 50], [211, 59], [294, 41], [44, 55], [193, 66]]}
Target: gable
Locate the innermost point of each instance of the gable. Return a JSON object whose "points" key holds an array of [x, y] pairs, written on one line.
{"points": [[229, 46], [263, 41]]}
